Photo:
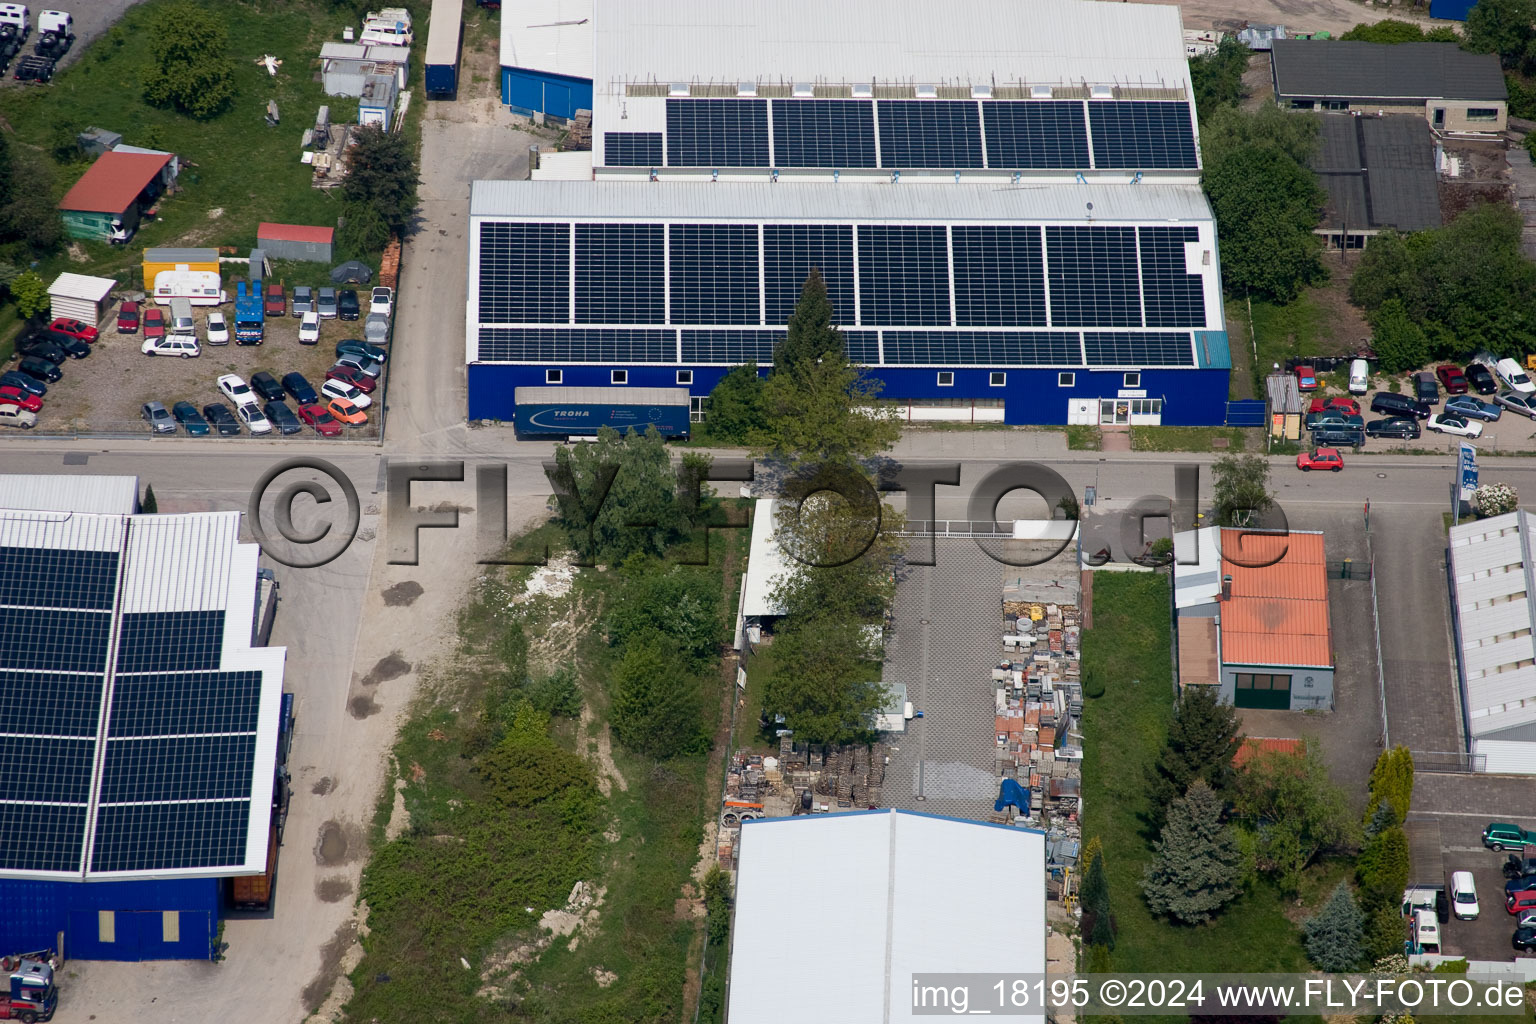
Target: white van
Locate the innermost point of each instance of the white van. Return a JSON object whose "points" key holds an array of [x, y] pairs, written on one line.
{"points": [[181, 317], [18, 15], [1359, 377], [184, 345], [1426, 931]]}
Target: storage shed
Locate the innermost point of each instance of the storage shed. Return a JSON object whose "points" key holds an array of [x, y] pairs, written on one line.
{"points": [[111, 193], [376, 105], [344, 67], [96, 141], [79, 297], [295, 241], [157, 261]]}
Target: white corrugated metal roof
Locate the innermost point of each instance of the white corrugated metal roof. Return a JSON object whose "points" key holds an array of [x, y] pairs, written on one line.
{"points": [[1043, 42], [58, 492], [765, 562], [180, 563], [549, 35], [913, 893], [1491, 566], [343, 51], [72, 531], [1197, 566], [443, 31], [842, 202], [82, 286], [575, 165]]}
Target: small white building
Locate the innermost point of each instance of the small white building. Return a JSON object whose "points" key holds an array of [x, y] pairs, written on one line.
{"points": [[766, 562], [906, 894], [80, 297], [1492, 582]]}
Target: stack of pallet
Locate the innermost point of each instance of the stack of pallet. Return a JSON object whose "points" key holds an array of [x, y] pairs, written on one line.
{"points": [[580, 135]]}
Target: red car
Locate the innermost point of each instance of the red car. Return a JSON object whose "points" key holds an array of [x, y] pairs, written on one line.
{"points": [[1320, 458], [1339, 402], [154, 322], [128, 318], [274, 302], [12, 395], [361, 381], [1306, 378], [74, 329], [1451, 377], [319, 417]]}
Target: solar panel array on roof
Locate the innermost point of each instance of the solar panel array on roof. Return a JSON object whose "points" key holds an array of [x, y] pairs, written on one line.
{"points": [[1127, 135], [640, 280]]}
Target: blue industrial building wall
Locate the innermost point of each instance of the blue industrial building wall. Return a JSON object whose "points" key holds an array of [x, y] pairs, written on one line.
{"points": [[1191, 397], [32, 913], [540, 92]]}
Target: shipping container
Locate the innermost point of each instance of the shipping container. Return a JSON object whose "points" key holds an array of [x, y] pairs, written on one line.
{"points": [[254, 892], [443, 34]]}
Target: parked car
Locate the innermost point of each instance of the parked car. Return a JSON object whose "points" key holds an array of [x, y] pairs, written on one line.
{"points": [[1388, 404], [376, 329], [309, 328], [1318, 420], [154, 322], [381, 301], [303, 299], [72, 347], [273, 301], [1501, 835], [254, 419], [187, 415], [325, 303], [1338, 435], [1425, 389], [1359, 377], [355, 347], [236, 390], [266, 386], [347, 412], [1457, 425], [352, 375], [282, 418], [1473, 408], [158, 417], [362, 364], [1514, 401], [321, 419], [1520, 903], [1339, 402], [1517, 866], [1403, 427], [74, 329], [1511, 373], [1481, 379], [333, 388], [1320, 458], [17, 379], [39, 347], [184, 345], [299, 389], [41, 369], [1306, 378], [1524, 940], [16, 416], [218, 329], [1463, 896], [347, 306], [128, 318], [1519, 884], [1452, 379], [10, 394], [222, 420]]}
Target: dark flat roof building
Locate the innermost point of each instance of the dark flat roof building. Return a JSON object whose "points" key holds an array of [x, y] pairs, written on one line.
{"points": [[1454, 90], [1379, 172]]}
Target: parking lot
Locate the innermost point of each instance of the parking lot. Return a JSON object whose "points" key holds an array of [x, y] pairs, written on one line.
{"points": [[105, 392], [1511, 433]]}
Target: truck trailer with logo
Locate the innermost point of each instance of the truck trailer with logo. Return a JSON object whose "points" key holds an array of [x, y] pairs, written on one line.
{"points": [[580, 412]]}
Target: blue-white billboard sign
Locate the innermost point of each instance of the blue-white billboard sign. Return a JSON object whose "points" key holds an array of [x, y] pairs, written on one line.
{"points": [[1468, 470]]}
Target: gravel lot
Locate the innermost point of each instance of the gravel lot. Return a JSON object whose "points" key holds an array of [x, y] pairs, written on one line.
{"points": [[105, 392], [92, 18]]}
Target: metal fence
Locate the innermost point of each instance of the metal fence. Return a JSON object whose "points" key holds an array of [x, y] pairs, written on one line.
{"points": [[1349, 569], [1449, 761], [138, 430], [955, 528], [1245, 412], [1381, 673]]}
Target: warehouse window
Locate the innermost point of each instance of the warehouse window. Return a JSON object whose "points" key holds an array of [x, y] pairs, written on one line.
{"points": [[1133, 380], [1065, 380], [1301, 104], [1335, 104], [999, 380], [106, 926], [1262, 681], [1482, 114], [946, 378], [619, 377], [170, 926], [552, 376], [685, 376]]}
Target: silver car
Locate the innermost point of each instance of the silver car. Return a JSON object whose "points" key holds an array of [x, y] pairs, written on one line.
{"points": [[376, 329], [159, 418], [325, 304], [303, 300], [362, 364], [1514, 401]]}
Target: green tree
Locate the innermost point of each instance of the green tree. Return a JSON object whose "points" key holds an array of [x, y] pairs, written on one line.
{"points": [[1228, 129], [557, 693], [735, 413], [1378, 821], [1240, 489], [1196, 864], [1503, 27], [189, 67], [1392, 783], [1296, 809], [656, 708], [820, 407], [31, 216], [1400, 343], [1202, 740], [1383, 932], [1382, 868], [381, 174], [618, 495], [1266, 207], [679, 602], [1335, 935], [64, 136], [149, 505], [363, 231], [1218, 77], [1388, 30], [717, 905], [31, 294], [1098, 916]]}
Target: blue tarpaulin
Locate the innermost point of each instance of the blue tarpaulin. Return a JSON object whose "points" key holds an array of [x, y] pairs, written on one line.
{"points": [[1012, 793]]}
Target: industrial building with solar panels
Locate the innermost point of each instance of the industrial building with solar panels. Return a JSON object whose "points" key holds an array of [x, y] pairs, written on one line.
{"points": [[1005, 207], [139, 721]]}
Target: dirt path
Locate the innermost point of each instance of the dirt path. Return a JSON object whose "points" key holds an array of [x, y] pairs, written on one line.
{"points": [[1333, 16]]}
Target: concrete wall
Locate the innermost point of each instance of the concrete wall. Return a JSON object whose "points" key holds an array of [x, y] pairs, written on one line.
{"points": [[1311, 688], [36, 911]]}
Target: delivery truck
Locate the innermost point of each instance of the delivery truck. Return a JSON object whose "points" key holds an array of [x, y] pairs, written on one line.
{"points": [[580, 412]]}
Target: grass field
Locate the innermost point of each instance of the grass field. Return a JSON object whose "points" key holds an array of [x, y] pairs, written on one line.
{"points": [[1188, 439]]}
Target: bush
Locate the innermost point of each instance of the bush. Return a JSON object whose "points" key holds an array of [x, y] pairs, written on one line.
{"points": [[1495, 499], [189, 69]]}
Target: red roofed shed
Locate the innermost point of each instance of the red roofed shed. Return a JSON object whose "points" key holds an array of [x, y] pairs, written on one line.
{"points": [[114, 188], [295, 241]]}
